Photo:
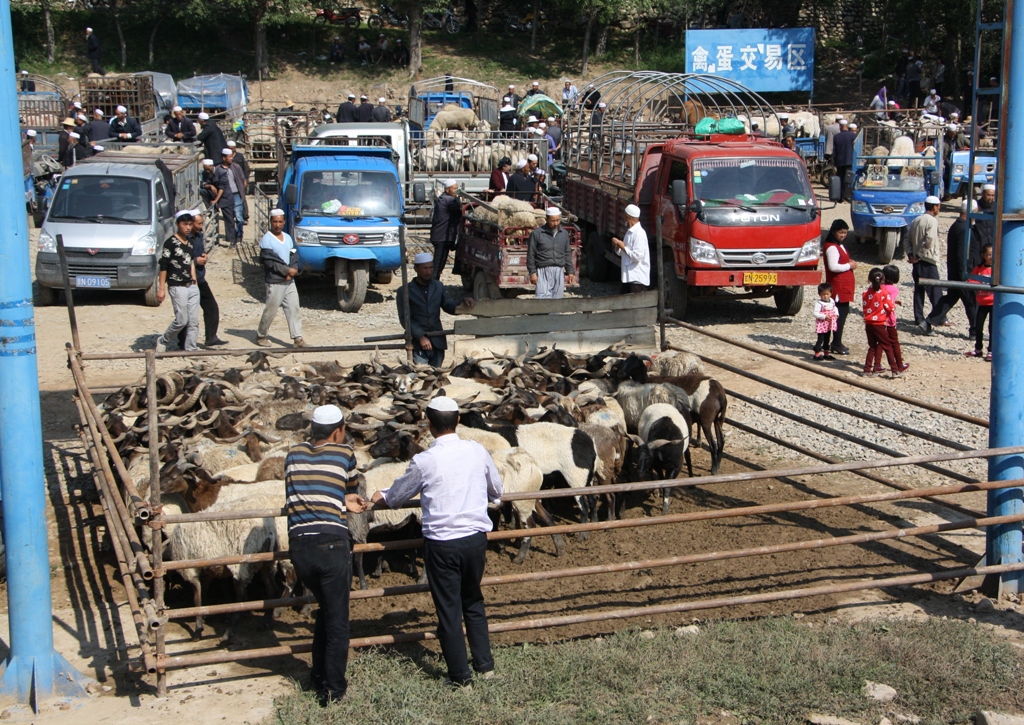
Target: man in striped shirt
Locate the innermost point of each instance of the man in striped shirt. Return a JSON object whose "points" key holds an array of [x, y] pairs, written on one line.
{"points": [[319, 491]]}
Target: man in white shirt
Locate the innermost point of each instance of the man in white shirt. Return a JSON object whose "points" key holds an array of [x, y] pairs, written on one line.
{"points": [[455, 479], [635, 254]]}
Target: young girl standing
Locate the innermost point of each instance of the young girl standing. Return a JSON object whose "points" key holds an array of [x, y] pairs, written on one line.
{"points": [[982, 274], [825, 315], [877, 307], [891, 275]]}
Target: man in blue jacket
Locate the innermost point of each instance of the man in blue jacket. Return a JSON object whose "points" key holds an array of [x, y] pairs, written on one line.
{"points": [[427, 297]]}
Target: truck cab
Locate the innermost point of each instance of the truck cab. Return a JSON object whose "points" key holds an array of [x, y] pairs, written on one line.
{"points": [[344, 209]]}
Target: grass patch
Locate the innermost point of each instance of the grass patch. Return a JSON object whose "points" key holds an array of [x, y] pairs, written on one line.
{"points": [[763, 671]]}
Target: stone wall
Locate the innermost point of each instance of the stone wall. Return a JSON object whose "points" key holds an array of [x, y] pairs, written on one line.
{"points": [[844, 18]]}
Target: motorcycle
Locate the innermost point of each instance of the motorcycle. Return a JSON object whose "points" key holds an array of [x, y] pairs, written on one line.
{"points": [[446, 20], [387, 15], [525, 24], [349, 17]]}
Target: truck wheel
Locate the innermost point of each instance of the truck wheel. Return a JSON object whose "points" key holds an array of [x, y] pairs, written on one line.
{"points": [[484, 288], [827, 173], [467, 282], [597, 265], [352, 292], [677, 296], [887, 241], [383, 277], [789, 300], [43, 296], [151, 300]]}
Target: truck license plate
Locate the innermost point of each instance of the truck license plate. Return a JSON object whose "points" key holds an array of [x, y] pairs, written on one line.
{"points": [[91, 281], [760, 279]]}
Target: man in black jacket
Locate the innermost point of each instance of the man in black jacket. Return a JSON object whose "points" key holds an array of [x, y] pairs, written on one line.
{"points": [[842, 155], [280, 260], [364, 114], [98, 130], [347, 110], [522, 185], [180, 128], [381, 112], [507, 119], [211, 137], [444, 225], [93, 51], [957, 268], [125, 128], [427, 297]]}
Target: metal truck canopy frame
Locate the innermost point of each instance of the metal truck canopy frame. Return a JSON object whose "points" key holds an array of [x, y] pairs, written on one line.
{"points": [[428, 96], [646, 107]]}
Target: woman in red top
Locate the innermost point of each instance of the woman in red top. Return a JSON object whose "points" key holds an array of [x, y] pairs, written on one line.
{"points": [[499, 177], [839, 273], [877, 308]]}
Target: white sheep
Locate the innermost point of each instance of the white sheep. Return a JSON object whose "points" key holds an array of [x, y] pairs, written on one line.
{"points": [[520, 474], [636, 397], [674, 363]]}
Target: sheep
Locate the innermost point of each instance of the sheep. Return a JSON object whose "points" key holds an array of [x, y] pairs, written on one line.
{"points": [[453, 117], [493, 442], [384, 521], [212, 539], [520, 474], [636, 397], [611, 450], [675, 363], [901, 147], [706, 402], [605, 412], [666, 432]]}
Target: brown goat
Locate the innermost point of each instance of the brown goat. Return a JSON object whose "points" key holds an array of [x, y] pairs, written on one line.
{"points": [[707, 406]]}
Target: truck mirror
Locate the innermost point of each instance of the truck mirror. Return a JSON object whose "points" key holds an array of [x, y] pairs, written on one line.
{"points": [[848, 179], [935, 178], [835, 188], [679, 192], [291, 194], [419, 193], [697, 207]]}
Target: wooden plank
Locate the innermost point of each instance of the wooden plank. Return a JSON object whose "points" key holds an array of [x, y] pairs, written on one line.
{"points": [[535, 324], [639, 338], [528, 306]]}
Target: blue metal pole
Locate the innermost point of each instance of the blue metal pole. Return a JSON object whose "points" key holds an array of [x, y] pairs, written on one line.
{"points": [[1007, 401], [33, 670]]}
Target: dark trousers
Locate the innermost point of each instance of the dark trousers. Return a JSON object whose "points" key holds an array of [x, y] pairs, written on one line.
{"points": [[823, 341], [632, 288], [227, 213], [894, 341], [454, 569], [878, 342], [324, 566], [847, 189], [844, 311], [924, 270], [984, 312], [97, 67], [441, 250], [211, 314], [948, 302]]}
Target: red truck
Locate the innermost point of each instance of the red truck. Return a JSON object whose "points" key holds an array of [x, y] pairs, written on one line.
{"points": [[738, 212]]}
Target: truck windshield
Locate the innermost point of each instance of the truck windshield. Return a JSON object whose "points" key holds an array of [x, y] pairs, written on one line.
{"points": [[878, 177], [765, 181], [102, 199], [349, 194]]}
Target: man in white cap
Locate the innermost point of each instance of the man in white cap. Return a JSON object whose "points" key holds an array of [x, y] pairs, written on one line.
{"points": [[178, 280], [209, 192], [211, 137], [785, 127], [534, 90], [507, 119], [207, 302], [922, 247], [427, 297], [180, 128], [228, 178], [596, 119], [831, 130], [532, 162], [364, 113], [27, 84], [455, 480], [445, 223], [522, 184], [515, 98], [238, 159], [569, 94], [72, 151], [540, 178], [549, 258], [984, 228], [347, 110], [555, 132], [94, 52], [635, 254], [125, 128], [931, 102], [381, 112], [30, 138], [98, 129], [280, 260], [842, 156], [958, 254], [320, 489]]}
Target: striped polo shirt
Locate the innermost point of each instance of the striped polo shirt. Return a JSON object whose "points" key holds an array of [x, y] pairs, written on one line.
{"points": [[316, 479]]}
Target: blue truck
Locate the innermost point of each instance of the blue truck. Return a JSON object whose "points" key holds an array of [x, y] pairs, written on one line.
{"points": [[984, 170], [344, 208]]}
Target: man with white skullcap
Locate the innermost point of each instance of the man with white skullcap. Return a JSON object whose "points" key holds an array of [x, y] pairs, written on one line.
{"points": [[958, 254], [515, 97], [549, 257], [229, 179], [280, 260], [522, 184], [207, 302], [211, 137], [125, 128], [922, 248], [320, 489], [455, 479], [98, 129], [209, 192], [27, 84], [381, 112], [984, 228], [842, 156], [238, 159], [347, 110], [508, 120], [445, 222], [179, 128], [93, 51], [178, 279], [534, 90], [30, 138], [635, 254], [427, 297]]}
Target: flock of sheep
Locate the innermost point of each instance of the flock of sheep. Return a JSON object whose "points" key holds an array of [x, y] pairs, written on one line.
{"points": [[548, 420], [459, 141]]}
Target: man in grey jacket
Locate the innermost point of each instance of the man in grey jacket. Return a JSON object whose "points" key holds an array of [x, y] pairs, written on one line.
{"points": [[427, 297], [549, 258], [280, 260], [922, 247]]}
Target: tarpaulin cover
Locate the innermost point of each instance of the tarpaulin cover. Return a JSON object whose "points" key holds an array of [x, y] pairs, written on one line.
{"points": [[219, 91], [540, 106], [708, 126]]}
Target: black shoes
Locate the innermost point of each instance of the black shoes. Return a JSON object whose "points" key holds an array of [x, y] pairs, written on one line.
{"points": [[215, 342]]}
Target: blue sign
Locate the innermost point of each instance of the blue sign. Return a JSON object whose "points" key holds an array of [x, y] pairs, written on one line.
{"points": [[760, 59]]}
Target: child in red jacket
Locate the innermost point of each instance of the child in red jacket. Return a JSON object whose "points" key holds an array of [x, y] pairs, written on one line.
{"points": [[982, 274], [877, 308]]}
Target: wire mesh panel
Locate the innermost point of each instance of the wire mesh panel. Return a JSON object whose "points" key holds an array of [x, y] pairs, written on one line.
{"points": [[108, 92]]}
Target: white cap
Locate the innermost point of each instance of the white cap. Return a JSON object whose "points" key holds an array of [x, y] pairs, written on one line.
{"points": [[443, 404], [532, 119], [207, 162], [853, 126], [277, 212], [988, 187], [540, 172], [933, 200], [450, 182], [521, 163], [362, 98], [24, 72], [226, 152], [952, 127], [82, 116], [511, 86], [231, 144], [632, 210], [198, 212], [31, 133], [934, 91], [351, 96], [543, 125], [328, 415], [842, 121], [783, 115], [204, 116], [602, 104], [536, 83], [122, 109], [88, 30], [963, 205], [553, 211], [423, 258], [97, 149], [532, 157], [72, 134], [382, 99], [892, 103], [97, 112], [77, 104], [176, 109], [183, 212], [954, 114]]}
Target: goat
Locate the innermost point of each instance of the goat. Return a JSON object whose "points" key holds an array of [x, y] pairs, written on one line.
{"points": [[666, 432], [706, 403], [520, 474]]}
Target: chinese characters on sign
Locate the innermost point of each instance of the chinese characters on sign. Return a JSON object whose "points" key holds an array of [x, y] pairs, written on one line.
{"points": [[762, 60]]}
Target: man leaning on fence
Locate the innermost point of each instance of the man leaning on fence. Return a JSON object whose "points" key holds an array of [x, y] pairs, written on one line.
{"points": [[427, 297]]}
